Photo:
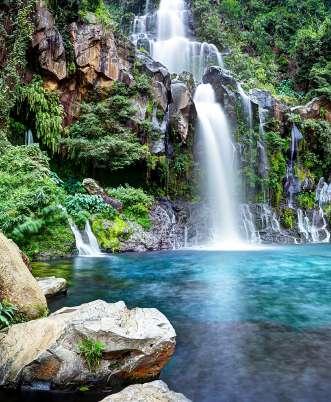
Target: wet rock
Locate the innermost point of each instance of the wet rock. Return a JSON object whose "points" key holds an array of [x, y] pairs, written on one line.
{"points": [[167, 230], [155, 391], [182, 109], [17, 285], [93, 188], [270, 104], [161, 81], [137, 345], [225, 87], [49, 44], [52, 286]]}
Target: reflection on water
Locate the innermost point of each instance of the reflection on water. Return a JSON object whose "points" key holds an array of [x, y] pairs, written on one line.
{"points": [[251, 326]]}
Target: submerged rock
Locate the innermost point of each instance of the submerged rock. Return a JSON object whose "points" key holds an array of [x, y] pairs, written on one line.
{"points": [[52, 286], [137, 345], [156, 391], [17, 285]]}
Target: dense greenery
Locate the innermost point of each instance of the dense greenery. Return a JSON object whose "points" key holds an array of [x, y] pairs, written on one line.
{"points": [[283, 46]]}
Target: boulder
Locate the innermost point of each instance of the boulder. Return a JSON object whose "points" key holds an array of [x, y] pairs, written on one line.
{"points": [[52, 286], [155, 391], [181, 108], [49, 44], [17, 285], [93, 188], [99, 56], [137, 344], [317, 108], [161, 81], [225, 87]]}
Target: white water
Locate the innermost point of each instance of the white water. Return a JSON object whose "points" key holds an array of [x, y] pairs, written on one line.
{"points": [[86, 242], [219, 167], [315, 231], [29, 138], [170, 44]]}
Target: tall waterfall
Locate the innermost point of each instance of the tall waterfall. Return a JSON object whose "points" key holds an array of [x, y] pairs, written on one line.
{"points": [[86, 242], [170, 43], [219, 166]]}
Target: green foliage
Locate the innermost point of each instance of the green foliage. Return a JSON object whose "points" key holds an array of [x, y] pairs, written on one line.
{"points": [[92, 351], [282, 46], [136, 204], [101, 136], [81, 206], [30, 201], [7, 313], [46, 109], [306, 200], [110, 233], [16, 43], [288, 218]]}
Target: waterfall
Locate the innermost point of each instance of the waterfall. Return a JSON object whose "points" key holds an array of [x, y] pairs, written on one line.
{"points": [[218, 165], [86, 242], [247, 105], [170, 44], [315, 231], [252, 235], [29, 138]]}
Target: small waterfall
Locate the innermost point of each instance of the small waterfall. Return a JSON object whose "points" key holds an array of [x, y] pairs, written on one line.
{"points": [[170, 44], [29, 138], [315, 231], [292, 185], [252, 235], [219, 166], [86, 242], [247, 105], [323, 192]]}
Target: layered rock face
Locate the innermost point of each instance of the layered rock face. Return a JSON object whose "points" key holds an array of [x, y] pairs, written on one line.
{"points": [[156, 391], [137, 344], [17, 285]]}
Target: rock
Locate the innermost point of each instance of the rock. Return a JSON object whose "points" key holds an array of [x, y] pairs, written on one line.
{"points": [[99, 56], [17, 285], [182, 108], [161, 81], [317, 108], [49, 44], [270, 104], [225, 87], [166, 232], [93, 188], [52, 286], [155, 391], [137, 345]]}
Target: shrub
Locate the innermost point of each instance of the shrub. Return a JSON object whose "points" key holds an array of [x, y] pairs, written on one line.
{"points": [[306, 200], [92, 351], [110, 233], [136, 204], [7, 313]]}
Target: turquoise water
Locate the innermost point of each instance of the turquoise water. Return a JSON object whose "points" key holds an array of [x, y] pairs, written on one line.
{"points": [[251, 325]]}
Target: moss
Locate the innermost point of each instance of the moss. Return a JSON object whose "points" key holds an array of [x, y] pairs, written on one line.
{"points": [[110, 233]]}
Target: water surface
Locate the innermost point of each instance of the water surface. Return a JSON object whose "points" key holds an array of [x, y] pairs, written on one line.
{"points": [[251, 325]]}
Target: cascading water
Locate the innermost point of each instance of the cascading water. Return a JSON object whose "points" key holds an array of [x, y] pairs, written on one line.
{"points": [[86, 243], [28, 138], [170, 44], [219, 167]]}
